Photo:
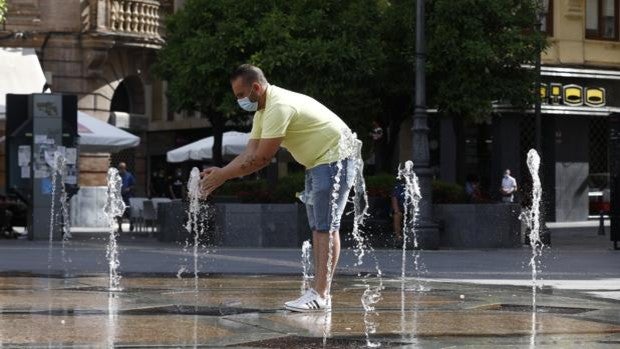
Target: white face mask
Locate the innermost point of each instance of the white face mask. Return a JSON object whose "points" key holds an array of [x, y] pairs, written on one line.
{"points": [[246, 104]]}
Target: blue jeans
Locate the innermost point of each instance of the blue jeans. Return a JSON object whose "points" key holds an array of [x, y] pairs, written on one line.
{"points": [[320, 180]]}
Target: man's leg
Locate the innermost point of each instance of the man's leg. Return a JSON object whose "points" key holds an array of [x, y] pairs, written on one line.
{"points": [[321, 257]]}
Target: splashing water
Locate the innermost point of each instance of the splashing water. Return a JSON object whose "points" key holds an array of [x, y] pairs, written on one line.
{"points": [[533, 164], [61, 162], [330, 254], [533, 218], [180, 272], [58, 174], [112, 320], [306, 265], [410, 212], [114, 207], [334, 208], [335, 194], [193, 191], [371, 296], [53, 212], [533, 331], [360, 204]]}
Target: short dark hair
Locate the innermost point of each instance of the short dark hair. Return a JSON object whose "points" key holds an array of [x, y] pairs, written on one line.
{"points": [[249, 73]]}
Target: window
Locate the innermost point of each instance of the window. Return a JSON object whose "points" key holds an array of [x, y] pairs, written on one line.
{"points": [[546, 18], [602, 19]]}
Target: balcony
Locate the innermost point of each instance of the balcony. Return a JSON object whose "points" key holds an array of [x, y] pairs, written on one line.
{"points": [[132, 22]]}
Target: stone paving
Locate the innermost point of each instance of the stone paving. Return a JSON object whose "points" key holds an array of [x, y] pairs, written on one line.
{"points": [[246, 311], [464, 299]]}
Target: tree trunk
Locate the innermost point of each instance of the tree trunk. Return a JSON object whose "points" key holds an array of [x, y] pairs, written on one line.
{"points": [[217, 122]]}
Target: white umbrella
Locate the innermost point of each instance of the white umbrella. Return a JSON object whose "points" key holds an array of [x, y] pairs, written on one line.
{"points": [[98, 136], [233, 143]]}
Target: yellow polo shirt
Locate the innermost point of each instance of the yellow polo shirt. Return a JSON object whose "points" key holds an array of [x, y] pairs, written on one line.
{"points": [[311, 132]]}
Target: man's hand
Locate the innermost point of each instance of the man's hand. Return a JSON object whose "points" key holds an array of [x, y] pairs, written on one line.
{"points": [[212, 178]]}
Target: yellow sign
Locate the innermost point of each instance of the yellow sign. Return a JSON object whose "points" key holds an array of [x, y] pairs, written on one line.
{"points": [[595, 96], [556, 93], [543, 91], [572, 94]]}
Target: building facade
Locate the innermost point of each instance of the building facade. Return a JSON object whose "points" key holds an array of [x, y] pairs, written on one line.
{"points": [[102, 51], [580, 90]]}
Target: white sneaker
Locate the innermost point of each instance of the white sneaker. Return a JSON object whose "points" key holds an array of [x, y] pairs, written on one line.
{"points": [[311, 301]]}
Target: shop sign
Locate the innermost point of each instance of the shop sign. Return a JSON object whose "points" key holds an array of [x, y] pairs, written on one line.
{"points": [[572, 95]]}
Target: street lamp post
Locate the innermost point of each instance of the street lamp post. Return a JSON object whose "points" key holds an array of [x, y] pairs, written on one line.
{"points": [[537, 101], [426, 230], [545, 232]]}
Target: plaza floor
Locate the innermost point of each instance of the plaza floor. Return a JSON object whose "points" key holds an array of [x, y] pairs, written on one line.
{"points": [[59, 298], [246, 311]]}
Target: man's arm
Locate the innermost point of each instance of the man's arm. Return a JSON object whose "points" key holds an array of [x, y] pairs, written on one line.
{"points": [[250, 148], [258, 154]]}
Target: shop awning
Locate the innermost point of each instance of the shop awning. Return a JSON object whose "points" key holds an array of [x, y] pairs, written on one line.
{"points": [[20, 73]]}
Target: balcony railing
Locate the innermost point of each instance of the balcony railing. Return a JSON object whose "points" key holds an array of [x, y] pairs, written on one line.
{"points": [[136, 18]]}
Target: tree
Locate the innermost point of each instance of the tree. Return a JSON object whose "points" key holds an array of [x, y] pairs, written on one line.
{"points": [[476, 52], [396, 82], [477, 49], [327, 49]]}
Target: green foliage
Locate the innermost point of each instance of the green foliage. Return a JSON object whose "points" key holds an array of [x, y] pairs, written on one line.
{"points": [[3, 10], [448, 193], [476, 50], [243, 190], [327, 49], [288, 186], [443, 192], [354, 56], [236, 186], [380, 185], [259, 191]]}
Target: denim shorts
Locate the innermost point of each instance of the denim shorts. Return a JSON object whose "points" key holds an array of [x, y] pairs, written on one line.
{"points": [[318, 194]]}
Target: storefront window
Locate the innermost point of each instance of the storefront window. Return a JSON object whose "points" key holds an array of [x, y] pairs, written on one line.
{"points": [[546, 24], [602, 19], [609, 19]]}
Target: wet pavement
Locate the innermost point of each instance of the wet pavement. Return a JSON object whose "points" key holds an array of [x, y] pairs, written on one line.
{"points": [[462, 299], [246, 311]]}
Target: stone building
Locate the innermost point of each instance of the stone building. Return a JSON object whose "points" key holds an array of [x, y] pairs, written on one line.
{"points": [[580, 75], [102, 51]]}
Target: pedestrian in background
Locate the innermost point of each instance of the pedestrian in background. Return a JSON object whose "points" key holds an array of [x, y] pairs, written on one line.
{"points": [[509, 187], [128, 183]]}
